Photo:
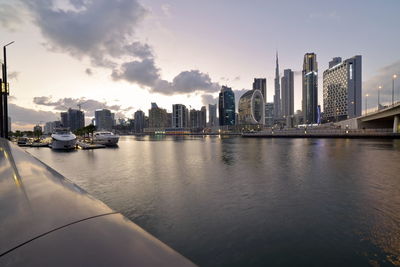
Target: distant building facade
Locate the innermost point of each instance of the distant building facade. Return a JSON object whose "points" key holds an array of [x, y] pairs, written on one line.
{"points": [[269, 114], [252, 108], [277, 95], [287, 85], [104, 119], [50, 126], [226, 106], [310, 88], [73, 119], [261, 84], [158, 117], [139, 121], [180, 116], [198, 118], [212, 115], [342, 96]]}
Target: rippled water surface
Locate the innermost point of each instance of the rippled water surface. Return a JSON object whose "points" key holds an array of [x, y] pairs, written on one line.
{"points": [[252, 202]]}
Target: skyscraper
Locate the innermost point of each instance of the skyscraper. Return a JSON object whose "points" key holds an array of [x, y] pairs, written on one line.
{"points": [[277, 96], [198, 118], [180, 116], [342, 89], [212, 115], [64, 119], [251, 108], [287, 84], [203, 117], [226, 106], [158, 117], [140, 121], [261, 84], [310, 88], [269, 114], [73, 119], [103, 119]]}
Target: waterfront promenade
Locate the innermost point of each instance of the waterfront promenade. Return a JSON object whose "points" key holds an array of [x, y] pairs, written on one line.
{"points": [[325, 133]]}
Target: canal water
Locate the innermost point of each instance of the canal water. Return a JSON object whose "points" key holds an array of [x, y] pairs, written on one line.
{"points": [[251, 202]]}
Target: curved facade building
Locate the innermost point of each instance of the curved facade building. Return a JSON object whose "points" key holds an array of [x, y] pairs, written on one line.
{"points": [[251, 108]]}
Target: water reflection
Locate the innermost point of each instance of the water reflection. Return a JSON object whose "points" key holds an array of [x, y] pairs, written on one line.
{"points": [[252, 202]]}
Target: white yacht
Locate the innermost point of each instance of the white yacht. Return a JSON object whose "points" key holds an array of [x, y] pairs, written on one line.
{"points": [[105, 138], [62, 138]]}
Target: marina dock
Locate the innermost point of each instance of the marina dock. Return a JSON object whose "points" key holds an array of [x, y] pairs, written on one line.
{"points": [[84, 145]]}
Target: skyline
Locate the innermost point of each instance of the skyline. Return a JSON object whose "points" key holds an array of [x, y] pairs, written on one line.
{"points": [[201, 45]]}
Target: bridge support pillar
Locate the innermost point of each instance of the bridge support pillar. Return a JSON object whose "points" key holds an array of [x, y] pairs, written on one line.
{"points": [[396, 124]]}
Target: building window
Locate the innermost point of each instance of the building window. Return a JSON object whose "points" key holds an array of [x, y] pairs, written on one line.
{"points": [[351, 71]]}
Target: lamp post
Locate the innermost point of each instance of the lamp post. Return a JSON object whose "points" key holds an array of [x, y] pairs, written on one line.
{"points": [[394, 78], [5, 93], [379, 97], [366, 104]]}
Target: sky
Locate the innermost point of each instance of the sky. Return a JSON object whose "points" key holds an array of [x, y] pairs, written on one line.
{"points": [[125, 54]]}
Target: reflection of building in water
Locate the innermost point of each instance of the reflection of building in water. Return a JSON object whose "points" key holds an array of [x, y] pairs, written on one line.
{"points": [[251, 108], [227, 152]]}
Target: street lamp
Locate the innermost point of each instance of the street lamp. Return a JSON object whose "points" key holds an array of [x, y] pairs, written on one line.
{"points": [[366, 104], [3, 97], [379, 95], [394, 78]]}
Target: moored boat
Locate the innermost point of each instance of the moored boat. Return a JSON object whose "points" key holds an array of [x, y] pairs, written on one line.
{"points": [[63, 139], [105, 138]]}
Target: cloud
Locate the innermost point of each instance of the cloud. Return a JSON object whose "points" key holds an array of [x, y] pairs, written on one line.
{"points": [[87, 105], [383, 78], [13, 75], [10, 16], [142, 72], [104, 31], [101, 29], [27, 116], [89, 71]]}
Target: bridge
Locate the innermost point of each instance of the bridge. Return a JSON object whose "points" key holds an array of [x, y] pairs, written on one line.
{"points": [[384, 118]]}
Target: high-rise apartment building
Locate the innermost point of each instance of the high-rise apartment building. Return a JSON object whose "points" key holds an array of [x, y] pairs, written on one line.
{"points": [[198, 118], [287, 85], [103, 119], [50, 126], [140, 121], [342, 96], [73, 119], [277, 95], [269, 114], [226, 106], [261, 84], [310, 88], [212, 115], [158, 117], [180, 116]]}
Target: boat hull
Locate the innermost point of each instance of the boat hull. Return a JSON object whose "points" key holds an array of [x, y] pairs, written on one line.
{"points": [[63, 144], [108, 141]]}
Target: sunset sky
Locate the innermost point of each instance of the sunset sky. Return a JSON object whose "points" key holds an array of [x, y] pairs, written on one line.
{"points": [[125, 54]]}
